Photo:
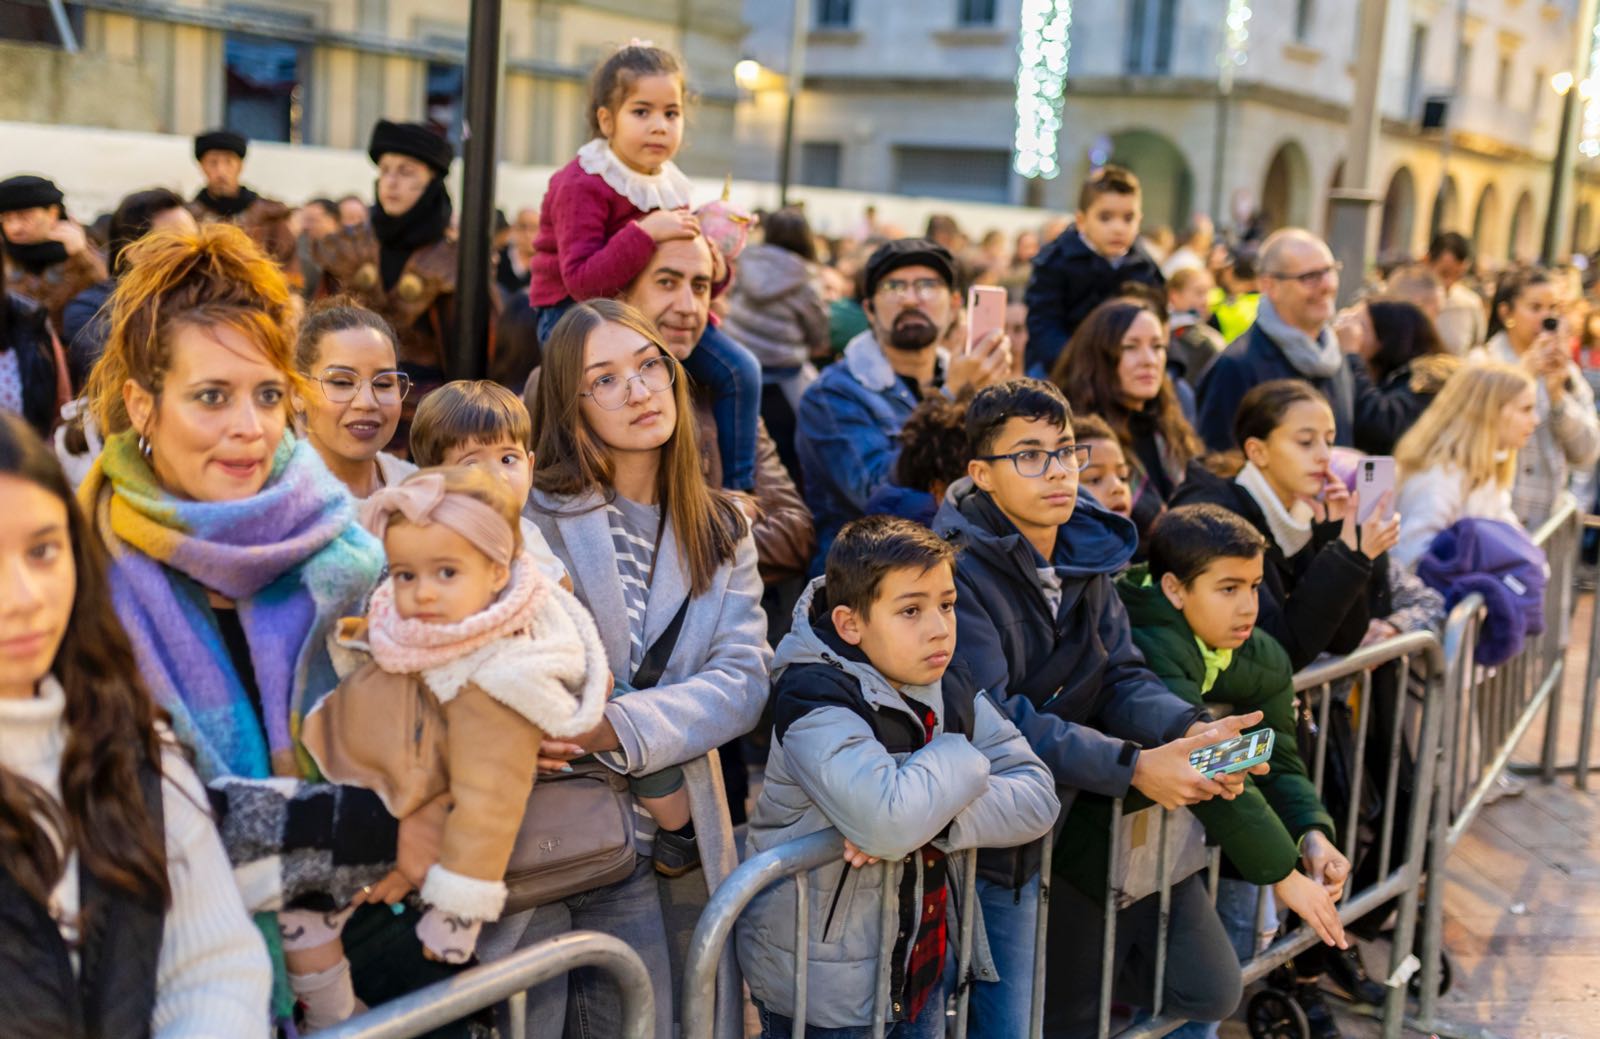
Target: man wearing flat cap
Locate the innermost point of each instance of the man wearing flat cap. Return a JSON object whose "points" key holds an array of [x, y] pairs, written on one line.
{"points": [[220, 154], [48, 257], [403, 263], [847, 431]]}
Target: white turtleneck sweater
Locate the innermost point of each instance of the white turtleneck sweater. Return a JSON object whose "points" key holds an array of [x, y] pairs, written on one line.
{"points": [[213, 976]]}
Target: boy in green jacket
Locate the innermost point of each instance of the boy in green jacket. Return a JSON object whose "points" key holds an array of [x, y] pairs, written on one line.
{"points": [[1193, 610]]}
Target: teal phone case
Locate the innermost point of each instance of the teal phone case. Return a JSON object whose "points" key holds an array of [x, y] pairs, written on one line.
{"points": [[1244, 751]]}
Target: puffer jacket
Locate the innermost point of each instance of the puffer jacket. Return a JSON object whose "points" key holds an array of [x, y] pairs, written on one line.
{"points": [[1072, 682], [848, 752], [775, 309], [848, 435], [1501, 563]]}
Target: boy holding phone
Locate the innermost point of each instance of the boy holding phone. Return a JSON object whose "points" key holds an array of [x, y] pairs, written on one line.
{"points": [[1193, 611]]}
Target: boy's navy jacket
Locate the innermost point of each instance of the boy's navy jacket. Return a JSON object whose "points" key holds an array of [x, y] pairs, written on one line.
{"points": [[1070, 279], [1073, 682], [848, 752], [1499, 562]]}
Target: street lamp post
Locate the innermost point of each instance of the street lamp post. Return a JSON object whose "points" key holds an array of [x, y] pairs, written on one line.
{"points": [[1350, 235], [469, 354], [1561, 169], [796, 79]]}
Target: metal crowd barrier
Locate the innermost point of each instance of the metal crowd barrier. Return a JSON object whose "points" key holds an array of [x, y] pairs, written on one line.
{"points": [[791, 861], [1487, 711], [509, 980]]}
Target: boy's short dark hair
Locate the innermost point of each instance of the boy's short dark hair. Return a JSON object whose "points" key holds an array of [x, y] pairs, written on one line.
{"points": [[1030, 399], [1452, 242], [933, 444], [868, 548], [467, 411], [1091, 427], [1107, 180], [1189, 538]]}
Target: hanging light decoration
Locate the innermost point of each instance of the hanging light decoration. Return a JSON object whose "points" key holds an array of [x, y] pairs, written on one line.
{"points": [[1043, 45], [1589, 147], [1235, 42]]}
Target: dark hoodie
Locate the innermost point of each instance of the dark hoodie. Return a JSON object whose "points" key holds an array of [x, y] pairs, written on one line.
{"points": [[1070, 279], [1074, 684]]}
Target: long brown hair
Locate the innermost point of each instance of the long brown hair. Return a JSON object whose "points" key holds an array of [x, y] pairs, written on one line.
{"points": [[573, 461], [212, 277], [110, 721], [1086, 371]]}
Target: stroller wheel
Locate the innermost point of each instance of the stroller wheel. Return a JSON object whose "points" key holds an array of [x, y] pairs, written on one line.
{"points": [[1273, 1015]]}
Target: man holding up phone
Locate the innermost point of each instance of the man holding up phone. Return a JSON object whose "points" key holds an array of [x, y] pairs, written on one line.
{"points": [[1527, 329], [848, 425], [48, 257]]}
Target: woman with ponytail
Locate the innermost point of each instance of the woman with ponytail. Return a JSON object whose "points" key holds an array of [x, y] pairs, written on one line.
{"points": [[234, 552], [118, 910]]}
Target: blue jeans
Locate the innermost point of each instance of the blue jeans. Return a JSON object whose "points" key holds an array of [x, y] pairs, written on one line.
{"points": [[1236, 908], [585, 1004], [928, 1025], [999, 1009], [733, 376]]}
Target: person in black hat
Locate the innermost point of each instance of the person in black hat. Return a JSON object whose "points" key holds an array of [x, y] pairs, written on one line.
{"points": [[220, 154], [403, 263], [848, 426], [48, 256]]}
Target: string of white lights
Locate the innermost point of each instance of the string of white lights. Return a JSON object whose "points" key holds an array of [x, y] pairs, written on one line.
{"points": [[1043, 46], [1235, 43], [1590, 145]]}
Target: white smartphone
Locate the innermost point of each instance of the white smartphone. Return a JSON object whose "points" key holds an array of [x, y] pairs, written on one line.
{"points": [[1374, 478], [986, 311]]}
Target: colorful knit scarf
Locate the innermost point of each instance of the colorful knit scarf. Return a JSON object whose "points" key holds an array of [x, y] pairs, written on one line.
{"points": [[293, 560]]}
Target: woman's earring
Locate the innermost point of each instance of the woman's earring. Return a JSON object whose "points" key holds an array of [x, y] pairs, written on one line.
{"points": [[144, 447]]}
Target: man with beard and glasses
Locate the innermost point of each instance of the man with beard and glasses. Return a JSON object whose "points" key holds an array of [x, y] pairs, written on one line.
{"points": [[220, 154], [848, 427], [48, 257]]}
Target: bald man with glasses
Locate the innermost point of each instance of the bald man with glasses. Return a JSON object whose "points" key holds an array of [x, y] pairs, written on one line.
{"points": [[1292, 338]]}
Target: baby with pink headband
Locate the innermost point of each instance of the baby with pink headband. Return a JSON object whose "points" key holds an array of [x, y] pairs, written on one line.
{"points": [[468, 658]]}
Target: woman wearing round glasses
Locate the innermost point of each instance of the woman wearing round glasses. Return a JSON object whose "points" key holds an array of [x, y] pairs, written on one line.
{"points": [[619, 495], [354, 389]]}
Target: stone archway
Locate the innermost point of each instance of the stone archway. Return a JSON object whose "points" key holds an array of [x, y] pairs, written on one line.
{"points": [[1523, 237], [1486, 240], [1335, 182], [1399, 216], [1286, 189], [1165, 180]]}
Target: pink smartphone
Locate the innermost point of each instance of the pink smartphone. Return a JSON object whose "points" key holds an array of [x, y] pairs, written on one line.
{"points": [[1374, 479], [986, 311]]}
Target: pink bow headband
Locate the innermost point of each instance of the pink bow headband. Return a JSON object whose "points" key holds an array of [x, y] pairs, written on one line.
{"points": [[423, 500]]}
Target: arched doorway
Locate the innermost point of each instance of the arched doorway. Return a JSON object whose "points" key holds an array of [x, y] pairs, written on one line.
{"points": [[1165, 181], [1399, 217], [1523, 238], [1446, 209], [1286, 189], [1486, 240]]}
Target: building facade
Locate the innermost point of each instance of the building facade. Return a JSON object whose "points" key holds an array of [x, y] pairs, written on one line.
{"points": [[321, 72], [920, 99]]}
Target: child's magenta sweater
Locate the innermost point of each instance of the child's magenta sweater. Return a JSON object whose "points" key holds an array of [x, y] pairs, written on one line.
{"points": [[594, 249]]}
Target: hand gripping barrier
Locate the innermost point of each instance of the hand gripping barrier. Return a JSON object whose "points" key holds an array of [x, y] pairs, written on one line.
{"points": [[510, 979]]}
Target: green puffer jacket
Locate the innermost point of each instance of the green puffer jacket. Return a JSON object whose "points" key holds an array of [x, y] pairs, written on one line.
{"points": [[1260, 829]]}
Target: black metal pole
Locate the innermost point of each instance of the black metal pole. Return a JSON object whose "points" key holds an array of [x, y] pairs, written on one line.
{"points": [[1560, 177], [469, 354], [786, 162]]}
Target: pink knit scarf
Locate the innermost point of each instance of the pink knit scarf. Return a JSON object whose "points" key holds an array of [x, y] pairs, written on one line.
{"points": [[403, 647]]}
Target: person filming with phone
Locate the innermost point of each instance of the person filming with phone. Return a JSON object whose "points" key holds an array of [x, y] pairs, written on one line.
{"points": [[849, 421], [1526, 329]]}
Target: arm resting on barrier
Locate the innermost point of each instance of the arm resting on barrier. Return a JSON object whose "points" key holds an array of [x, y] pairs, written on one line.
{"points": [[1020, 803]]}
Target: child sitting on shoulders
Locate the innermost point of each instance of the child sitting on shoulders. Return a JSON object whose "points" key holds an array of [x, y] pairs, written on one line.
{"points": [[877, 735], [467, 660]]}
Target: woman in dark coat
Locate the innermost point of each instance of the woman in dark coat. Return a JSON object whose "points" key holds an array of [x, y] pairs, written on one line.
{"points": [[1397, 347]]}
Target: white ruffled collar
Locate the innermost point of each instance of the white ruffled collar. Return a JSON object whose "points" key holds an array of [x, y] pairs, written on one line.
{"points": [[669, 189]]}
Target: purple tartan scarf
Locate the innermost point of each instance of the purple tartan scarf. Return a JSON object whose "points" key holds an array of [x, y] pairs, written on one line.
{"points": [[292, 558]]}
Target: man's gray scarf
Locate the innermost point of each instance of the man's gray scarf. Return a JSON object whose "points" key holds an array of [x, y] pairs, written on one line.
{"points": [[1318, 358]]}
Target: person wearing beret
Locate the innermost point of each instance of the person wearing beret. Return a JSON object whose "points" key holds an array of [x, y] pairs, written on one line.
{"points": [[403, 263], [220, 154], [48, 257]]}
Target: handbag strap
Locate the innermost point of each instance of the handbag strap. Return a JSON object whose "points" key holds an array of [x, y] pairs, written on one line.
{"points": [[655, 658]]}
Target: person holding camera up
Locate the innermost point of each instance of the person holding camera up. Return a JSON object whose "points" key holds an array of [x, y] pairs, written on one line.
{"points": [[1526, 329]]}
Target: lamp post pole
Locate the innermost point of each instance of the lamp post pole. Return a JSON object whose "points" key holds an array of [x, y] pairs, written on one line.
{"points": [[1561, 174], [796, 80], [469, 352], [1350, 236]]}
